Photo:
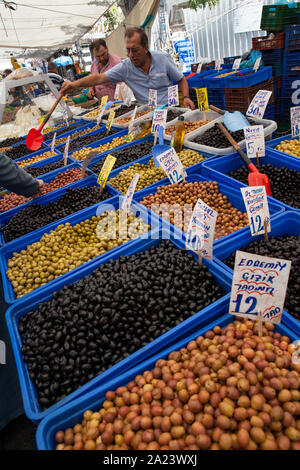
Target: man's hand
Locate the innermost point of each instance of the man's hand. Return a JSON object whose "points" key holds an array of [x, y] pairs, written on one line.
{"points": [[91, 93], [67, 88], [188, 103]]}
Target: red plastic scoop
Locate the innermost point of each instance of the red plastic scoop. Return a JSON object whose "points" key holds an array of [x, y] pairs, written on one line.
{"points": [[34, 138]]}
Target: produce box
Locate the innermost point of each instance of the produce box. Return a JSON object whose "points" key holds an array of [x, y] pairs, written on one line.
{"points": [[274, 142], [216, 97], [71, 132], [245, 81], [35, 154], [31, 406], [140, 109], [263, 44], [71, 414], [218, 169], [275, 59], [239, 99], [287, 223], [292, 38], [195, 115], [48, 136], [276, 17], [290, 60]]}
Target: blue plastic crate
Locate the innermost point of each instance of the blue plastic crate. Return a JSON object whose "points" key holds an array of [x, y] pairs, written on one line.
{"points": [[31, 405], [72, 413], [200, 79], [270, 112], [218, 83], [51, 197], [233, 194], [236, 81], [80, 123], [281, 155], [71, 132], [287, 223], [291, 60], [54, 159], [292, 38], [6, 252], [288, 85], [35, 154], [216, 97], [218, 169]]}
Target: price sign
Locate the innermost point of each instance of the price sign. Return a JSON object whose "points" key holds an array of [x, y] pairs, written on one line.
{"points": [[110, 120], [202, 100], [259, 286], [201, 231], [53, 142], [256, 203], [255, 141], [259, 103], [128, 101], [159, 119], [65, 111], [66, 151], [130, 192], [172, 166], [295, 121], [199, 68], [104, 100], [130, 127], [152, 101], [106, 169], [257, 64], [99, 118], [117, 92], [218, 64], [236, 64], [173, 98]]}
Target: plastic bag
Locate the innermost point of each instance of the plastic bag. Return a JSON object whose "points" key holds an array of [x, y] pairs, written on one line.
{"points": [[23, 72]]}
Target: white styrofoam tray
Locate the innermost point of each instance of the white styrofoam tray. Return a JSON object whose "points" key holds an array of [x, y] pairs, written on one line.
{"points": [[195, 115], [269, 128], [145, 107]]}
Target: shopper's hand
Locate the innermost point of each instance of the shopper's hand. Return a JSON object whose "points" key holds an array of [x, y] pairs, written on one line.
{"points": [[41, 184], [91, 93], [68, 87], [188, 103]]}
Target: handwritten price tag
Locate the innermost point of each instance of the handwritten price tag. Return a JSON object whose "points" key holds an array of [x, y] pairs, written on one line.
{"points": [[117, 92], [199, 68], [172, 166], [100, 115], [53, 142], [255, 141], [130, 192], [104, 100], [159, 119], [256, 203], [259, 103], [173, 98], [66, 151], [152, 100], [130, 127], [106, 169], [236, 64], [259, 285], [110, 120], [202, 100], [201, 231], [295, 121], [257, 64]]}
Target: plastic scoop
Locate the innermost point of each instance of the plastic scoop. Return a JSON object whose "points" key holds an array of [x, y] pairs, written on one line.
{"points": [[255, 178], [34, 138], [235, 121], [161, 148]]}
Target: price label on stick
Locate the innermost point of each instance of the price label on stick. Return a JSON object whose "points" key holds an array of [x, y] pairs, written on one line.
{"points": [[159, 119], [87, 161], [130, 127], [100, 115], [295, 121], [255, 141], [130, 192], [236, 64], [218, 64], [152, 100], [173, 97], [53, 142], [117, 92], [171, 164], [105, 170], [257, 64], [259, 287], [202, 100], [66, 151], [199, 68], [259, 103], [110, 120], [104, 100], [201, 231], [256, 203], [128, 101]]}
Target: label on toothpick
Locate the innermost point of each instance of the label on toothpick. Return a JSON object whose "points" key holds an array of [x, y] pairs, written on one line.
{"points": [[130, 126], [130, 192], [259, 286], [110, 120], [128, 101], [173, 97], [159, 119], [66, 151], [101, 112], [257, 64], [255, 141], [295, 121], [53, 142], [199, 68], [202, 100], [152, 100], [104, 100], [236, 64], [105, 170], [117, 92], [201, 231], [259, 103], [65, 111], [172, 166], [218, 64], [256, 203]]}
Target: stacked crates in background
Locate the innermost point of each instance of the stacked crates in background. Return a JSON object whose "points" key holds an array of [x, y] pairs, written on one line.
{"points": [[277, 17], [291, 77]]}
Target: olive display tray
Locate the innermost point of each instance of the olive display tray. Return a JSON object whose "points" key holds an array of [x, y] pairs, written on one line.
{"points": [[6, 252], [51, 197], [234, 196], [30, 302], [71, 414], [274, 142], [69, 131], [43, 149], [287, 223], [47, 178], [218, 169]]}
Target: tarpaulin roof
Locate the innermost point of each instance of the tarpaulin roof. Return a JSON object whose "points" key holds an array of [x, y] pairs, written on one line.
{"points": [[47, 23]]}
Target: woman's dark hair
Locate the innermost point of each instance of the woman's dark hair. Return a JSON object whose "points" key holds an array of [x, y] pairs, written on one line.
{"points": [[129, 32], [98, 43]]}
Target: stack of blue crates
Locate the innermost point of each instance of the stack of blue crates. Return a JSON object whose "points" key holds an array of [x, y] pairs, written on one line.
{"points": [[291, 79]]}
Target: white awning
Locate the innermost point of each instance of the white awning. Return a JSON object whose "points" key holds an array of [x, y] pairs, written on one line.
{"points": [[47, 23]]}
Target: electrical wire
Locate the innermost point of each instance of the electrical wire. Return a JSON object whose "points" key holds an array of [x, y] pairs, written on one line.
{"points": [[55, 11], [12, 20]]}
